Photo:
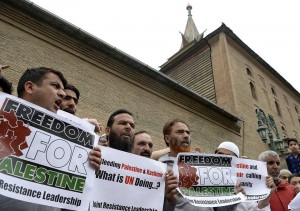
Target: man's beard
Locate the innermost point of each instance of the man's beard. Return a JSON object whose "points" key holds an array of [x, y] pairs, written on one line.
{"points": [[69, 110], [177, 147], [120, 143]]}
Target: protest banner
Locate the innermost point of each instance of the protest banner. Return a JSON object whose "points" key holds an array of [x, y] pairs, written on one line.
{"points": [[43, 157], [295, 203], [128, 182], [207, 180], [252, 176]]}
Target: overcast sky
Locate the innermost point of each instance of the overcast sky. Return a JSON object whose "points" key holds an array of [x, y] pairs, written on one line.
{"points": [[148, 30]]}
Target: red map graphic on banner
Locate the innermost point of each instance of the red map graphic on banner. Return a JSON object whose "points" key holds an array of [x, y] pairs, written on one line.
{"points": [[187, 175], [13, 133]]}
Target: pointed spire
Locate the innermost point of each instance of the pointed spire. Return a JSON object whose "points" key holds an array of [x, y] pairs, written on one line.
{"points": [[191, 33], [189, 9]]}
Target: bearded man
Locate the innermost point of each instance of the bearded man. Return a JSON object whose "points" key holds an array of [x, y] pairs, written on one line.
{"points": [[177, 137], [120, 130]]}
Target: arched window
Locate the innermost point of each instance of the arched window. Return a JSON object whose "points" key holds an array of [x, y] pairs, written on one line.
{"points": [[296, 109], [277, 108], [291, 116], [249, 72], [253, 91], [273, 91]]}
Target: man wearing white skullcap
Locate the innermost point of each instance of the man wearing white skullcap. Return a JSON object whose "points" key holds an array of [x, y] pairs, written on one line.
{"points": [[284, 175], [228, 148]]}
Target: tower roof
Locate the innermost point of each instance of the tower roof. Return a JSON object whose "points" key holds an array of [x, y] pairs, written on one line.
{"points": [[191, 32]]}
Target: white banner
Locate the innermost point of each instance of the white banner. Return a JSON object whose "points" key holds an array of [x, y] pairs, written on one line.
{"points": [[252, 176], [43, 157], [207, 180], [128, 182], [295, 203]]}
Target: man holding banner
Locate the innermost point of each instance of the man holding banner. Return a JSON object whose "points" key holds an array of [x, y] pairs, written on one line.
{"points": [[284, 193], [120, 132], [229, 148], [177, 137], [42, 87]]}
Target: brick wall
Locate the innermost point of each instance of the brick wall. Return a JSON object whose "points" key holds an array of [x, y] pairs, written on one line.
{"points": [[105, 82]]}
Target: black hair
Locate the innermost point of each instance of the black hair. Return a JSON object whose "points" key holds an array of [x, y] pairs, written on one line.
{"points": [[6, 85], [36, 75], [140, 132], [111, 120], [74, 89], [293, 175], [292, 139]]}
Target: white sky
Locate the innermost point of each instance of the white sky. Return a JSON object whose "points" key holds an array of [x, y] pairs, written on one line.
{"points": [[148, 30]]}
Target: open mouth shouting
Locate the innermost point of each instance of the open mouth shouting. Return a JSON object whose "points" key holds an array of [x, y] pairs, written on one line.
{"points": [[58, 103]]}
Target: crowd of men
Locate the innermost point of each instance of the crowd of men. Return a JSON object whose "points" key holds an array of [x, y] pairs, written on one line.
{"points": [[48, 88]]}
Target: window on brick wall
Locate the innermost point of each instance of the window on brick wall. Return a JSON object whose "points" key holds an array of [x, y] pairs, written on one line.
{"points": [[283, 129], [249, 72], [273, 90], [291, 116], [277, 108], [253, 91]]}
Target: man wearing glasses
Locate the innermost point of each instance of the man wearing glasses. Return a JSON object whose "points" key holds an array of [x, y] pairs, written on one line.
{"points": [[70, 101], [69, 104]]}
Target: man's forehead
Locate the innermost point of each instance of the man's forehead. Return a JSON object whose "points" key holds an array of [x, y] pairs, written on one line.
{"points": [[143, 137], [70, 93], [272, 158], [52, 76], [225, 151], [180, 126], [123, 117]]}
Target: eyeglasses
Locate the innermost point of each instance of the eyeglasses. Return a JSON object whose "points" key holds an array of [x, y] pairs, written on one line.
{"points": [[68, 97]]}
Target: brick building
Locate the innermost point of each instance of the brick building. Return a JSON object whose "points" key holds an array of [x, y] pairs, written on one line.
{"points": [[222, 68], [108, 78]]}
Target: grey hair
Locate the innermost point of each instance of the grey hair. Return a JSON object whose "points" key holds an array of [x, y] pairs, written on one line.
{"points": [[263, 156]]}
